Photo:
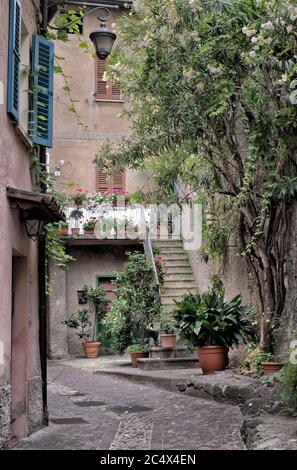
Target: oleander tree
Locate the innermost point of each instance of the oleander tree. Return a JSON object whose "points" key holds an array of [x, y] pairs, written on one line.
{"points": [[213, 92]]}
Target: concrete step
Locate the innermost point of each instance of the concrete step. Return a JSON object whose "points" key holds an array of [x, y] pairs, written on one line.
{"points": [[165, 353], [168, 363]]}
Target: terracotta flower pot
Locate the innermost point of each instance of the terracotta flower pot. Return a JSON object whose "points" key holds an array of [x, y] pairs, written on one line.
{"points": [[168, 340], [91, 349], [75, 231], [89, 232], [271, 367], [137, 355], [213, 358]]}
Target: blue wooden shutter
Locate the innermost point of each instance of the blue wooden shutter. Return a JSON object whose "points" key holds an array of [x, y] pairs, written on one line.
{"points": [[14, 60], [41, 119]]}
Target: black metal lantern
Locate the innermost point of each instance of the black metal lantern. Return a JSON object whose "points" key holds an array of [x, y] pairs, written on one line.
{"points": [[103, 39], [34, 227]]}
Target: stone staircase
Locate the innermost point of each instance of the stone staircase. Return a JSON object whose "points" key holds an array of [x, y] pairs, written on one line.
{"points": [[180, 279]]}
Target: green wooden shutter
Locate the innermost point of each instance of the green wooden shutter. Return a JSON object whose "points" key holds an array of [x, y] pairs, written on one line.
{"points": [[41, 119], [14, 60]]}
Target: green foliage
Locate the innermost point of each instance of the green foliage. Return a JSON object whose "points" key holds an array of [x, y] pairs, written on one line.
{"points": [[253, 357], [289, 383], [136, 307], [138, 348], [212, 87], [167, 329], [208, 320], [55, 250], [118, 325], [96, 296], [80, 321]]}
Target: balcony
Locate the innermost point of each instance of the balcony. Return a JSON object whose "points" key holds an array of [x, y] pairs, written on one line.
{"points": [[106, 222]]}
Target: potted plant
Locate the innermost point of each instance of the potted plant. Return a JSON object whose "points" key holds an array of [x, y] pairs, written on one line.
{"points": [[80, 195], [208, 322], [137, 305], [76, 214], [89, 226], [138, 351], [270, 365], [81, 321], [63, 228], [87, 319], [167, 336]]}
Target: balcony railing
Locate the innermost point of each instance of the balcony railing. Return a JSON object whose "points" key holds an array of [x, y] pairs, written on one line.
{"points": [[109, 222]]}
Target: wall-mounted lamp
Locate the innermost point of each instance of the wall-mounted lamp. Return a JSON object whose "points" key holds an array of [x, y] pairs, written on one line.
{"points": [[102, 38]]}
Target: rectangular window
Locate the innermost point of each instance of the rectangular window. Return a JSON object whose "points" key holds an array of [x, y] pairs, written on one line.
{"points": [[105, 183], [105, 88]]}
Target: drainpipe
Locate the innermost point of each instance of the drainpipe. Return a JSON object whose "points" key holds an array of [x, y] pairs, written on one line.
{"points": [[43, 310]]}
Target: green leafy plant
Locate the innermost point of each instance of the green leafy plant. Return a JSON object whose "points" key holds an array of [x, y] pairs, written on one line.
{"points": [[138, 348], [80, 321], [90, 224], [96, 297], [136, 307], [167, 329], [208, 320], [253, 357]]}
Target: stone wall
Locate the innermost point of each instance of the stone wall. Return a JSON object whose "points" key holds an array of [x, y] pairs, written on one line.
{"points": [[5, 405], [287, 331]]}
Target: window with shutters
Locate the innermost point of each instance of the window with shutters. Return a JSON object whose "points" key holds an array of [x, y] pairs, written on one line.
{"points": [[106, 184], [106, 89]]}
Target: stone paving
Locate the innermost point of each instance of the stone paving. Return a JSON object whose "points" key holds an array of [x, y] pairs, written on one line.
{"points": [[93, 411]]}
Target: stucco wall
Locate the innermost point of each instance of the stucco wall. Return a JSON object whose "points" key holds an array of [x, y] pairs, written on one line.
{"points": [[15, 172], [236, 276], [90, 261], [76, 145]]}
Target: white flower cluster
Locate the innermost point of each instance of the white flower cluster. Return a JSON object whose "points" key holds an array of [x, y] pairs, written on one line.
{"points": [[249, 32]]}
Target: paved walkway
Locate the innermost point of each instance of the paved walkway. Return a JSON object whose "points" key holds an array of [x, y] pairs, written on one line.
{"points": [[93, 411]]}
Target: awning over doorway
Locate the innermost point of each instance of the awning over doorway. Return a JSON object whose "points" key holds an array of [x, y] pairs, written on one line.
{"points": [[36, 205]]}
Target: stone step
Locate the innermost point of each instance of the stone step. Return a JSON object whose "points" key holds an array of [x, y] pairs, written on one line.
{"points": [[179, 284], [176, 257], [161, 243], [177, 263], [180, 277], [178, 291], [171, 249], [168, 299], [165, 353], [168, 363], [179, 270]]}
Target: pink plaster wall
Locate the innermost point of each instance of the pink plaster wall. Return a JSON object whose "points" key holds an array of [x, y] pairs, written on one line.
{"points": [[15, 171]]}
